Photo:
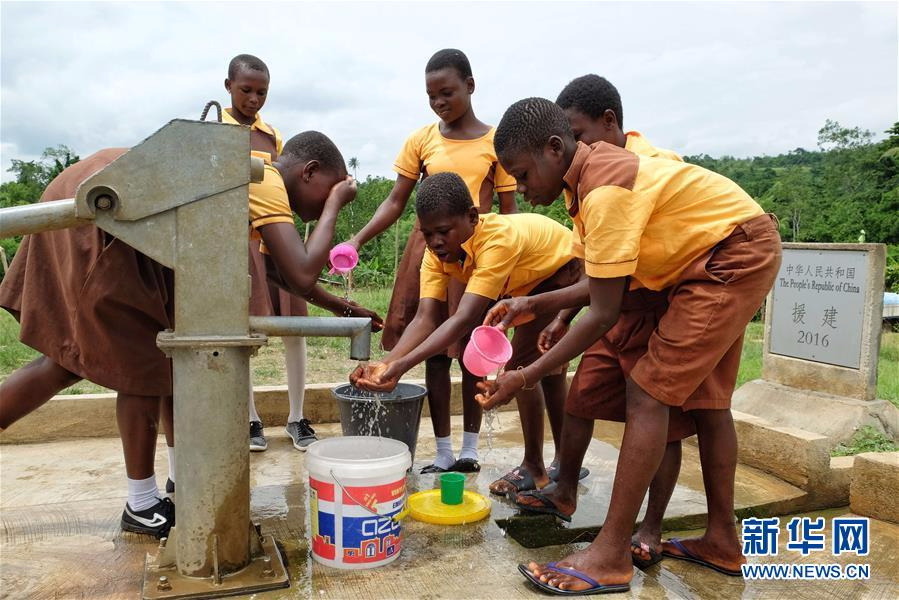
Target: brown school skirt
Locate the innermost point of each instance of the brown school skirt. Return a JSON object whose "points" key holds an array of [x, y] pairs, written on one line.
{"points": [[524, 339], [683, 347], [404, 300], [267, 299], [90, 302]]}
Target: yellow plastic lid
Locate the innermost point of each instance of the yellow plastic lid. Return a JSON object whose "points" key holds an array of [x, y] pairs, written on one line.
{"points": [[426, 506]]}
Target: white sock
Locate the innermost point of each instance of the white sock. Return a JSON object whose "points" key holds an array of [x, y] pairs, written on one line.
{"points": [[469, 445], [295, 361], [444, 458], [142, 493], [252, 403], [171, 450]]}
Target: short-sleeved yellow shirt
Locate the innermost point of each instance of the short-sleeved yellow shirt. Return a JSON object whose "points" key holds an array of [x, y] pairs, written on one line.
{"points": [[268, 202], [507, 255], [636, 143], [648, 217], [427, 151], [260, 125]]}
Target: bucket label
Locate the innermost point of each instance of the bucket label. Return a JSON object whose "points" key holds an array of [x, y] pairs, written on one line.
{"points": [[365, 537], [323, 538]]}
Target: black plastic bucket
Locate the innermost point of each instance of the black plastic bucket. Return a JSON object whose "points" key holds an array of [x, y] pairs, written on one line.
{"points": [[397, 417]]}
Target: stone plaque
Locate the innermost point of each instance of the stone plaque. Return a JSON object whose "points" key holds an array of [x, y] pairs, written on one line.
{"points": [[818, 306]]}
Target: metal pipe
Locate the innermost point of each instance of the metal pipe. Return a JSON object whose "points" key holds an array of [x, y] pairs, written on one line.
{"points": [[358, 329], [42, 216]]}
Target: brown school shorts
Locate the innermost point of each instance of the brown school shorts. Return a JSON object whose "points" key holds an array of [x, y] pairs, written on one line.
{"points": [[524, 339], [683, 347]]}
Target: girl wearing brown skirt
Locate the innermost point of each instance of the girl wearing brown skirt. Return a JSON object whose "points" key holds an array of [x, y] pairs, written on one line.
{"points": [[462, 144]]}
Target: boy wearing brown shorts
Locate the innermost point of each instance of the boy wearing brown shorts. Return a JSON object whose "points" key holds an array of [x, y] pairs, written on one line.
{"points": [[668, 226]]}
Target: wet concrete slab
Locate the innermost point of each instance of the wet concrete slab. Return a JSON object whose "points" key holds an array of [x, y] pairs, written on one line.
{"points": [[60, 505]]}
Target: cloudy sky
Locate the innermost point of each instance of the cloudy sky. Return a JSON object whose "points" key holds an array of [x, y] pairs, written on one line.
{"points": [[717, 78]]}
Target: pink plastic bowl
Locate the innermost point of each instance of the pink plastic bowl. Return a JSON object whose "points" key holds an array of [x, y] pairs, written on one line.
{"points": [[343, 258], [487, 350]]}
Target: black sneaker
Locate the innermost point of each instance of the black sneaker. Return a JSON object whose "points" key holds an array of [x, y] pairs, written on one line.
{"points": [[257, 437], [156, 520], [301, 434], [169, 486]]}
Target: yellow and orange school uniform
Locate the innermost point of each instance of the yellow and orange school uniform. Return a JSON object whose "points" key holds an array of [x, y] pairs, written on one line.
{"points": [[270, 143], [266, 143], [636, 143], [425, 152], [268, 203], [680, 228], [508, 256]]}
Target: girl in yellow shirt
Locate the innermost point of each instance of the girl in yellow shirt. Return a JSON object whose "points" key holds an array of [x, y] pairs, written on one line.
{"points": [[460, 143]]}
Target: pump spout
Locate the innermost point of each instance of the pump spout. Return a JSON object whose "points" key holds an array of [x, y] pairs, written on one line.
{"points": [[358, 329]]}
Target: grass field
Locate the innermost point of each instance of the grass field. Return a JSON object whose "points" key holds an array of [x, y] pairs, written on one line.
{"points": [[328, 358]]}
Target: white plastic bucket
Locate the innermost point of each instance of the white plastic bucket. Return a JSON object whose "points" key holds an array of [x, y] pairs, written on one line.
{"points": [[357, 485]]}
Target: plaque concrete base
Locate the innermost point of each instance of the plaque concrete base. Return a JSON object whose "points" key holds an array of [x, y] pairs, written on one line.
{"points": [[835, 417]]}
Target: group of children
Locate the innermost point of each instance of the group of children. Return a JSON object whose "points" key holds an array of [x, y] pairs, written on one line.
{"points": [[670, 260]]}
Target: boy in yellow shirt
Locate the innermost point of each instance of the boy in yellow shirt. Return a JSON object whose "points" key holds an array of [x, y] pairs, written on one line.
{"points": [[666, 226], [593, 108], [494, 256]]}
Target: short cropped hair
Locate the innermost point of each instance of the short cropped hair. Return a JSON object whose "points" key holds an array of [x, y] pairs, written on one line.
{"points": [[592, 95], [450, 57], [445, 193], [246, 61], [313, 145], [528, 124]]}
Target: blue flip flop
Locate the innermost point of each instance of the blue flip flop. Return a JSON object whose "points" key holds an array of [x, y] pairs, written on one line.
{"points": [[596, 587], [690, 557]]}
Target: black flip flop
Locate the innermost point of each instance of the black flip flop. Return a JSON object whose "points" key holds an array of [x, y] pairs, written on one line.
{"points": [[553, 472], [466, 465], [689, 557], [547, 508], [644, 563], [433, 469], [595, 586], [520, 478]]}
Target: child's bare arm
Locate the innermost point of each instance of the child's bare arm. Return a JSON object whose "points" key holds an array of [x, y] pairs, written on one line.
{"points": [[507, 204], [605, 305], [387, 212], [466, 317], [341, 307], [299, 264], [514, 310], [374, 377]]}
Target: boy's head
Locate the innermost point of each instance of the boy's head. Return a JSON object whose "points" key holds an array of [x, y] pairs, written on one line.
{"points": [[593, 108], [535, 145], [310, 165], [247, 83], [446, 215], [449, 84]]}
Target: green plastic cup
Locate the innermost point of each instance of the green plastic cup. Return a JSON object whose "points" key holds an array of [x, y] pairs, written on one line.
{"points": [[451, 487]]}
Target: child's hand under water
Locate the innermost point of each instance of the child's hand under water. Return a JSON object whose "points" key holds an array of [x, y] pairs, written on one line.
{"points": [[499, 391], [374, 377]]}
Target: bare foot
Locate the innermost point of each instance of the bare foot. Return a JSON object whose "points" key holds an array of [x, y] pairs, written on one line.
{"points": [[644, 540], [565, 502], [590, 562], [723, 554]]}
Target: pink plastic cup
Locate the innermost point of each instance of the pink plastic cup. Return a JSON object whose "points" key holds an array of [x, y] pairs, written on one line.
{"points": [[343, 258], [487, 350]]}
